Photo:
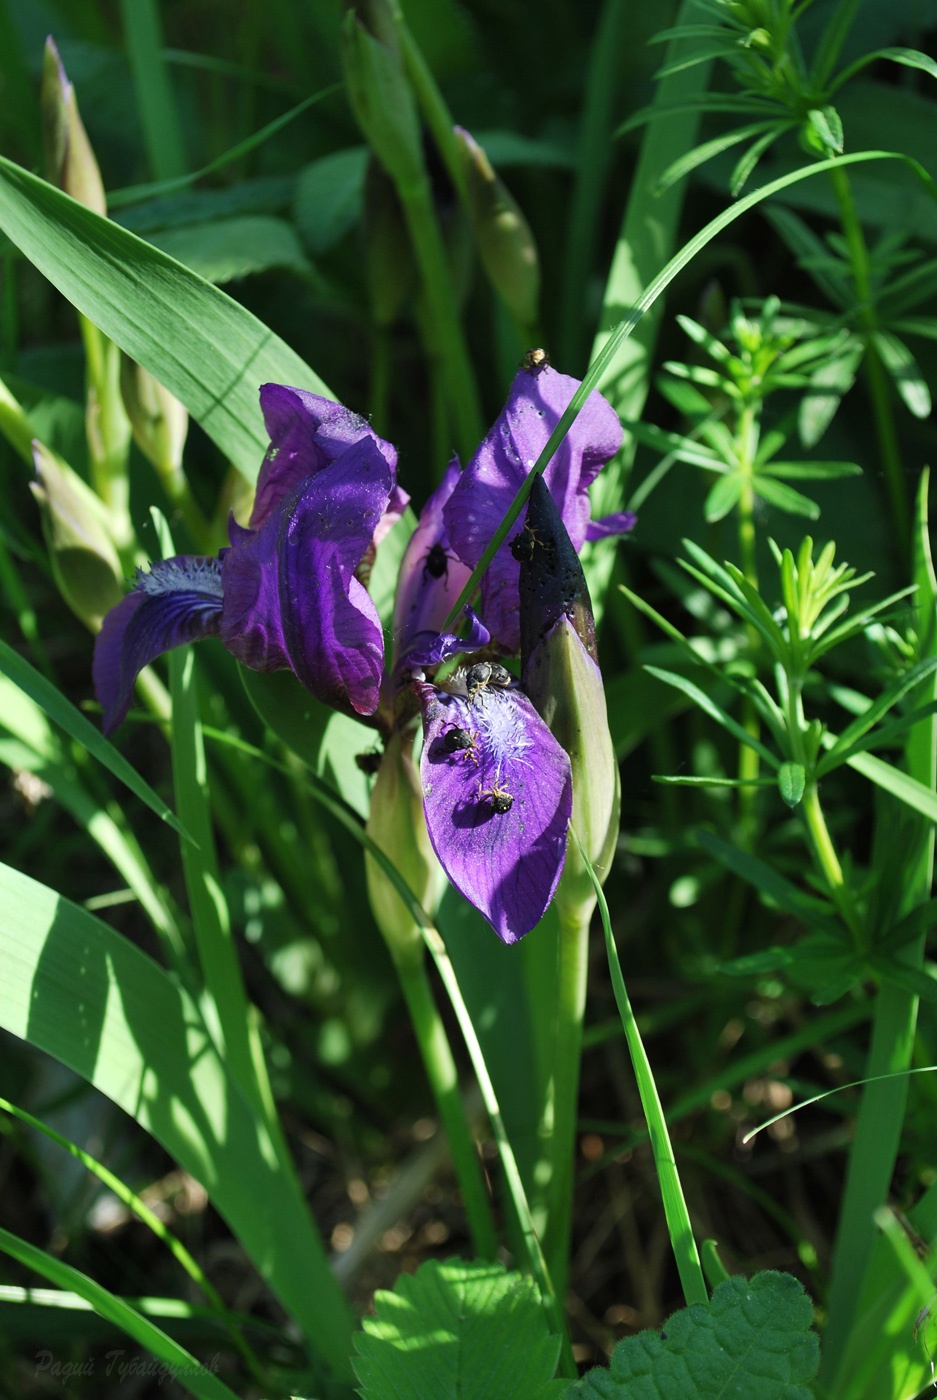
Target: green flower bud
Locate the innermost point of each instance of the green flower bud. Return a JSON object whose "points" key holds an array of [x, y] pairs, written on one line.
{"points": [[78, 536], [70, 161], [561, 675], [158, 420], [380, 94], [503, 236], [397, 825]]}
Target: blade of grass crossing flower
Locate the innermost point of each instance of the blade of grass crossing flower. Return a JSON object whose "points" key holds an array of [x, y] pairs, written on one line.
{"points": [[682, 1242], [159, 116], [181, 1364], [606, 356], [879, 1121]]}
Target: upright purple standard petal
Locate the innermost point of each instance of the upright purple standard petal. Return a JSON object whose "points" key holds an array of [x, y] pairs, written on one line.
{"points": [[431, 577], [178, 601], [307, 432], [536, 402], [497, 793], [290, 595]]}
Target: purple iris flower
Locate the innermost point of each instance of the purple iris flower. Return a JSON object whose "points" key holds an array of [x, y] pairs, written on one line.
{"points": [[290, 591], [537, 399], [285, 592]]}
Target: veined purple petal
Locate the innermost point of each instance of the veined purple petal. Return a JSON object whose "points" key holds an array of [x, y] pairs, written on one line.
{"points": [[431, 576], [497, 793], [178, 601], [307, 432], [536, 401], [441, 646], [620, 523], [290, 595]]}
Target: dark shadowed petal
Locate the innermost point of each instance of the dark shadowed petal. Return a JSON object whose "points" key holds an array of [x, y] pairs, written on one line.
{"points": [[621, 523], [489, 483], [497, 793], [306, 433], [441, 646], [290, 595], [178, 601], [431, 577]]}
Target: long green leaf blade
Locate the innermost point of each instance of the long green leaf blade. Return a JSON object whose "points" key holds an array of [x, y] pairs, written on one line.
{"points": [[209, 351]]}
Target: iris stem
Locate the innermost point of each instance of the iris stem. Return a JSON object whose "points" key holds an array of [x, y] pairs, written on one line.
{"points": [[571, 979], [444, 1082]]}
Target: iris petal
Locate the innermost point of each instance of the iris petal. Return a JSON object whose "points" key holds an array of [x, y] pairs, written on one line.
{"points": [[497, 793], [431, 577], [178, 601], [307, 432], [535, 404], [291, 597]]}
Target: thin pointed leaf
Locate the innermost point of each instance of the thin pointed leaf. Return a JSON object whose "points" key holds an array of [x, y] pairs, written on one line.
{"points": [[811, 471], [716, 712], [723, 497], [854, 731], [63, 713], [905, 373], [785, 498], [765, 878]]}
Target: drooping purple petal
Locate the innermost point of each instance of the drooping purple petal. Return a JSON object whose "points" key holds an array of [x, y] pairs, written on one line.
{"points": [[497, 793], [290, 595], [536, 401], [307, 432], [179, 600], [622, 522], [441, 646], [431, 576]]}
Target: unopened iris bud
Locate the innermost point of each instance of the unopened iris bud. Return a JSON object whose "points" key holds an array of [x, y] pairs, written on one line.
{"points": [[159, 422], [560, 673], [505, 242], [77, 534], [70, 161], [397, 825], [380, 94]]}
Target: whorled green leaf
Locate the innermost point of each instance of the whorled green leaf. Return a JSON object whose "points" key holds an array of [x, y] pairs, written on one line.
{"points": [[792, 780], [753, 1341], [205, 348], [458, 1330]]}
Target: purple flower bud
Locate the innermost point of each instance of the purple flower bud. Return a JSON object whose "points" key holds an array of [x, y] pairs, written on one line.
{"points": [[562, 677]]}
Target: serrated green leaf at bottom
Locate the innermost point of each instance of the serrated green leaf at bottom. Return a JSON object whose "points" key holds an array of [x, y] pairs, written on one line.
{"points": [[753, 1342], [465, 1330]]}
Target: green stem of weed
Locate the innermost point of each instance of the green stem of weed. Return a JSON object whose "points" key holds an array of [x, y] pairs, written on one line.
{"points": [[746, 438], [571, 978], [825, 853], [444, 1081], [882, 411]]}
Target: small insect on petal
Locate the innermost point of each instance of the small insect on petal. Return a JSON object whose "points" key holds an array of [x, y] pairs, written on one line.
{"points": [[484, 674], [498, 797], [458, 740]]}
